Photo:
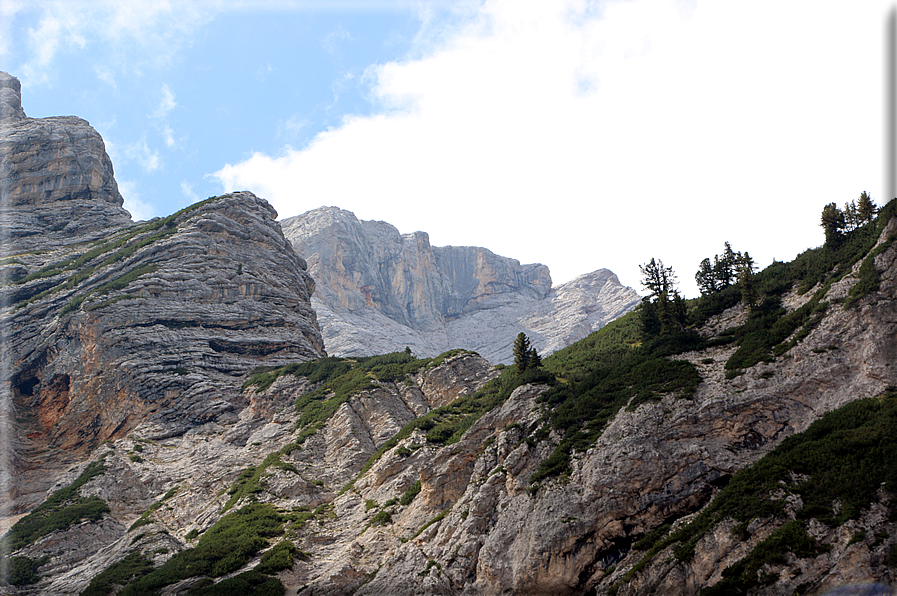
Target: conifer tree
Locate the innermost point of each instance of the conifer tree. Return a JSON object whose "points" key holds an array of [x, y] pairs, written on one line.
{"points": [[706, 278], [726, 266], [521, 352], [746, 281], [866, 209], [535, 361], [851, 216], [833, 223], [649, 319], [663, 311]]}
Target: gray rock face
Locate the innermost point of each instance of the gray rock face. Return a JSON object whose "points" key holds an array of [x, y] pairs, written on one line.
{"points": [[379, 291], [158, 329], [478, 526], [107, 324], [56, 180]]}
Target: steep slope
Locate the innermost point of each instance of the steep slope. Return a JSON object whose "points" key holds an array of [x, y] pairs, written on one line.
{"points": [[155, 321], [751, 453], [391, 475], [56, 179], [379, 291]]}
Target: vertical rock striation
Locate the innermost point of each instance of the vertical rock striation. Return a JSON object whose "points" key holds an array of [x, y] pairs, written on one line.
{"points": [[379, 291]]}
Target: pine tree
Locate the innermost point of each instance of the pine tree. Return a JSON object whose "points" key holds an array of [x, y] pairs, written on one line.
{"points": [[649, 319], [851, 216], [746, 281], [656, 278], [521, 352], [833, 223], [706, 279], [535, 361], [663, 311], [866, 209]]}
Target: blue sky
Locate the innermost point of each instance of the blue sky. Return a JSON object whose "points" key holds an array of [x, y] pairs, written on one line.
{"points": [[580, 134]]}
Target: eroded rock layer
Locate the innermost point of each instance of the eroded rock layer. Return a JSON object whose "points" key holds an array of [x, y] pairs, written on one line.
{"points": [[56, 180], [379, 291], [107, 324]]}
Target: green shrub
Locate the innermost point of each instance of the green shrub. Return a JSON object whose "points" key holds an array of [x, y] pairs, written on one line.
{"points": [[845, 458], [248, 583], [222, 549], [409, 494], [382, 518], [280, 557], [118, 574], [22, 571], [61, 510]]}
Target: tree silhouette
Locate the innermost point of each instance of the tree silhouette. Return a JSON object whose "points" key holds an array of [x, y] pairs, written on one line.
{"points": [[833, 223], [521, 352]]}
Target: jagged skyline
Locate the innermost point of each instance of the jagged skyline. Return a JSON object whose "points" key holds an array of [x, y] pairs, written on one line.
{"points": [[520, 127]]}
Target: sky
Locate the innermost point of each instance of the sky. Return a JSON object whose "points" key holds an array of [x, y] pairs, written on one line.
{"points": [[575, 133]]}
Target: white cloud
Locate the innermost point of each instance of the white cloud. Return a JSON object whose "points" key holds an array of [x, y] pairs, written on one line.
{"points": [[587, 135], [139, 210], [160, 116], [132, 34], [8, 11], [105, 75], [137, 34], [166, 104], [141, 153], [187, 190], [332, 41]]}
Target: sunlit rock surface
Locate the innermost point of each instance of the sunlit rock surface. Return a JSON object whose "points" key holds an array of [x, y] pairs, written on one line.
{"points": [[56, 180], [379, 291]]}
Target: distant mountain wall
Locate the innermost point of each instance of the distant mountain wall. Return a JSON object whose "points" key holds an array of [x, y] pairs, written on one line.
{"points": [[379, 291]]}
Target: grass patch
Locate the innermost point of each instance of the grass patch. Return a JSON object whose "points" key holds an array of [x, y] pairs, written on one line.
{"points": [[146, 518], [222, 549], [60, 511]]}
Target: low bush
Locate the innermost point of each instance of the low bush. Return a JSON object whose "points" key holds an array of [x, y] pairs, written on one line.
{"points": [[61, 510]]}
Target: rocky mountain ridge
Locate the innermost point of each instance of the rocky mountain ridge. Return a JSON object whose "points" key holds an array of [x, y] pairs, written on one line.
{"points": [[379, 291], [175, 428], [107, 324]]}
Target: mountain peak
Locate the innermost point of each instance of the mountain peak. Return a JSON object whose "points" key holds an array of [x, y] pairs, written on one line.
{"points": [[10, 98]]}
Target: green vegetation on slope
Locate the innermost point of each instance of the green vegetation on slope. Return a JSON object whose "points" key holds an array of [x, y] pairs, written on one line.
{"points": [[21, 571], [446, 424], [123, 244], [61, 510], [601, 376], [836, 467], [146, 518], [222, 549], [618, 366], [118, 574], [341, 378]]}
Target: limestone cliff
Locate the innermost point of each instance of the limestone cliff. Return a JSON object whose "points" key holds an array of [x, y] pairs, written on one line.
{"points": [[150, 454], [378, 291], [56, 180], [153, 323]]}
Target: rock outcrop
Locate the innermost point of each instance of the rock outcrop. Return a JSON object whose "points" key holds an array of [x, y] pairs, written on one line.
{"points": [[133, 403], [56, 180], [379, 291], [108, 324]]}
